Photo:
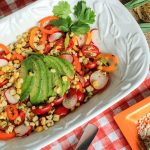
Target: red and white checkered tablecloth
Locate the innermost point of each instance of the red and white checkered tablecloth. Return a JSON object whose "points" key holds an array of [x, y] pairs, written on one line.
{"points": [[109, 136]]}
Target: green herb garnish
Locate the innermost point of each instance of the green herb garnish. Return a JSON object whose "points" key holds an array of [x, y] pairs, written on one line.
{"points": [[66, 42], [83, 14], [62, 9]]}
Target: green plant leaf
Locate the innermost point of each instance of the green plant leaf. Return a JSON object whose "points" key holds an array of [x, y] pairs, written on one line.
{"points": [[63, 24], [84, 13], [135, 3], [80, 28], [62, 9]]}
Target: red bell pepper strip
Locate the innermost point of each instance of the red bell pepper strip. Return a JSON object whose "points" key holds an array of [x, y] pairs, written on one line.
{"points": [[12, 112], [59, 101], [4, 48], [32, 36], [88, 38], [42, 25], [4, 83], [80, 96], [90, 51], [76, 63], [7, 136], [41, 111], [91, 65], [61, 111], [17, 56], [113, 60]]}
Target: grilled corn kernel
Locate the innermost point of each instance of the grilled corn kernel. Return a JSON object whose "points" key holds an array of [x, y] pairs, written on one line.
{"points": [[56, 117], [43, 121], [16, 61], [99, 67], [16, 75], [17, 120], [12, 79], [53, 70], [89, 89], [32, 124], [17, 96], [18, 50], [45, 127], [8, 56], [51, 123], [39, 129], [18, 85], [12, 91], [49, 117], [10, 129], [95, 84], [30, 74], [35, 118], [65, 78], [37, 123], [18, 91], [3, 116]]}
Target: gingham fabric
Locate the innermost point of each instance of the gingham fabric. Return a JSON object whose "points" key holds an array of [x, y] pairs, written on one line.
{"points": [[109, 136]]}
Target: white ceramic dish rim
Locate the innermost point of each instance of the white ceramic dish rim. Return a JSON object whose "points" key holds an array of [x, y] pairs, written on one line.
{"points": [[107, 105]]}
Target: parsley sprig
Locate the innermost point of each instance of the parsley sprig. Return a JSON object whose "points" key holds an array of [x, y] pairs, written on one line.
{"points": [[84, 16]]}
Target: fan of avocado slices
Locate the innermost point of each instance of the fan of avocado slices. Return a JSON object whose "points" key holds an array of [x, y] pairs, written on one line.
{"points": [[45, 76]]}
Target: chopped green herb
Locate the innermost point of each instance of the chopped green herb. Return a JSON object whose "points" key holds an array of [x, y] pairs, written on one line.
{"points": [[66, 42]]}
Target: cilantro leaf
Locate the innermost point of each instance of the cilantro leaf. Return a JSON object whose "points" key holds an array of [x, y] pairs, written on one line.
{"points": [[84, 13], [62, 9], [66, 42], [80, 28], [63, 24]]}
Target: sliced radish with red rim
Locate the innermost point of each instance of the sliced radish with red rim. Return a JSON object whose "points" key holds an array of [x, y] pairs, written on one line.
{"points": [[81, 40], [70, 102], [11, 99], [3, 62], [67, 57], [95, 37], [55, 36], [99, 79], [23, 130]]}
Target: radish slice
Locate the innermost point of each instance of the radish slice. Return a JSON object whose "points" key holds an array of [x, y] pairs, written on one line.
{"points": [[11, 99], [23, 130], [3, 62], [98, 80], [70, 101], [95, 37], [55, 36], [81, 40], [67, 57]]}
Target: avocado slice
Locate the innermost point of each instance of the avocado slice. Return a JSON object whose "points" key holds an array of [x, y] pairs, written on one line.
{"points": [[66, 86], [51, 64], [42, 72], [65, 65], [26, 67], [35, 91]]}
